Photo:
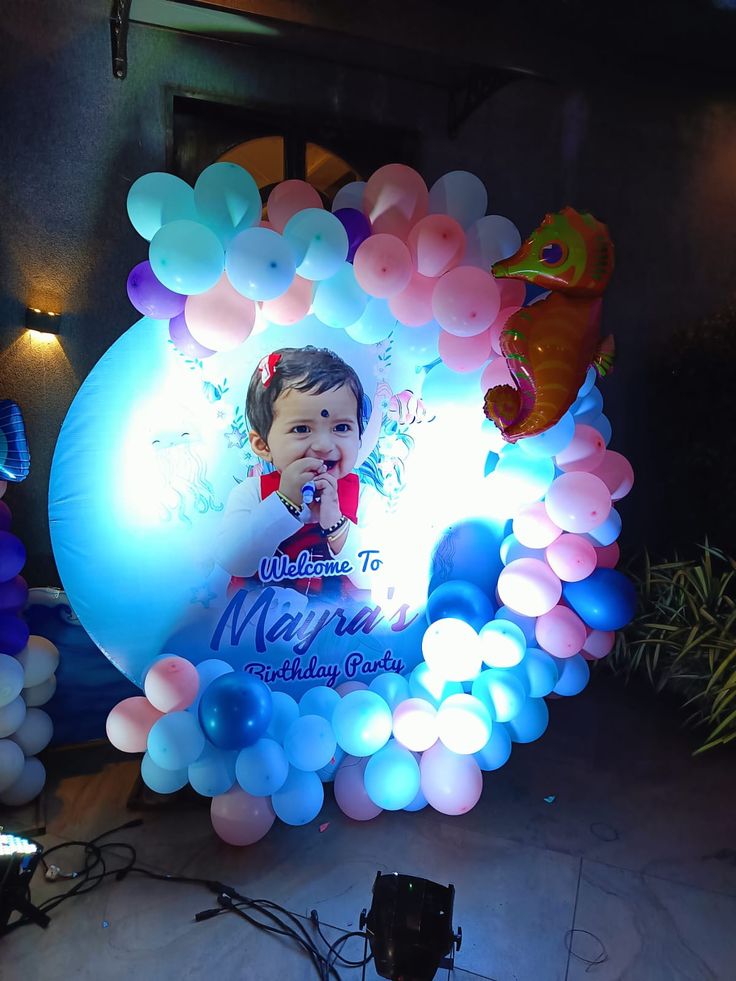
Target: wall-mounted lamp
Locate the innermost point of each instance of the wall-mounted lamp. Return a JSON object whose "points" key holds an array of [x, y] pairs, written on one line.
{"points": [[43, 321]]}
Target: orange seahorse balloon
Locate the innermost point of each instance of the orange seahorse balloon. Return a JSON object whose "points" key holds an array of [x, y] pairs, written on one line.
{"points": [[550, 345]]}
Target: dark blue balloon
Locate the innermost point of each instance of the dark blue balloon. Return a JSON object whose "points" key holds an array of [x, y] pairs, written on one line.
{"points": [[468, 550], [462, 600], [357, 227], [14, 633], [606, 600], [235, 710]]}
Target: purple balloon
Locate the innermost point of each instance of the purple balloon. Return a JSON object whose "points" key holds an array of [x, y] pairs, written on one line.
{"points": [[12, 555], [356, 225], [13, 594], [179, 334], [14, 633], [150, 297], [6, 517]]}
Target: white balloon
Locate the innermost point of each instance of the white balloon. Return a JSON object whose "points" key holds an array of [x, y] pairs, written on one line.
{"points": [[28, 785], [11, 716], [40, 658], [12, 762], [11, 675], [34, 732], [39, 694]]}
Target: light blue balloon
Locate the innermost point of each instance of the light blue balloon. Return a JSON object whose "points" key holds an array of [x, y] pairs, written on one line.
{"points": [[503, 643], [461, 195], [489, 240], [350, 196], [12, 678], [443, 385], [531, 721], [327, 773], [501, 692], [175, 741], [187, 257], [512, 549], [160, 780], [227, 199], [603, 424], [496, 751], [392, 687], [424, 684], [319, 700], [538, 671], [214, 772], [588, 408], [608, 532], [375, 325], [527, 624], [260, 263], [419, 802], [310, 743], [261, 769], [157, 198], [300, 799], [532, 475], [552, 441], [574, 675], [284, 711], [362, 723], [208, 670], [12, 762], [392, 777], [591, 377], [421, 344], [319, 242], [339, 301]]}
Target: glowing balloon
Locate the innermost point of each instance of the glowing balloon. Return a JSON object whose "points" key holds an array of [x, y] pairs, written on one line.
{"points": [[616, 473], [424, 683], [310, 743], [534, 528], [175, 741], [525, 623], [459, 194], [502, 693], [392, 777], [375, 324], [451, 649], [502, 644], [262, 769], [288, 198], [496, 751], [413, 305], [552, 440], [571, 557], [129, 724], [186, 257], [529, 586], [393, 688], [464, 724], [511, 549], [394, 199], [585, 451], [382, 266], [362, 723], [415, 724], [578, 502], [339, 301], [451, 783], [531, 721], [171, 683], [465, 301], [561, 632], [350, 793], [437, 244], [260, 264], [319, 242], [157, 198], [319, 700], [239, 818], [300, 798]]}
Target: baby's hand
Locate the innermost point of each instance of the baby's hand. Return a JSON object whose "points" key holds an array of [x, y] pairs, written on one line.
{"points": [[329, 505], [297, 474]]}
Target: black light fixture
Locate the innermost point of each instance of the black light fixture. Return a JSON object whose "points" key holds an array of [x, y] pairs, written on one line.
{"points": [[18, 860], [43, 321], [409, 927]]}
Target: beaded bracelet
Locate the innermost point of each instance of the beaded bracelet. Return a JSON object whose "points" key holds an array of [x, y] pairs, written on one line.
{"points": [[326, 532], [338, 534], [290, 506]]}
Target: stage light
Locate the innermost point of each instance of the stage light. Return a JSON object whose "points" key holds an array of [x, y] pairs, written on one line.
{"points": [[18, 860], [409, 927]]}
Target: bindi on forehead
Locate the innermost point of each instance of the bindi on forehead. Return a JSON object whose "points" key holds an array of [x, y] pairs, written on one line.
{"points": [[325, 414]]}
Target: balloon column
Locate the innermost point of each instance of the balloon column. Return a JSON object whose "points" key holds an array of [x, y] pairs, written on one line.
{"points": [[27, 662], [392, 256]]}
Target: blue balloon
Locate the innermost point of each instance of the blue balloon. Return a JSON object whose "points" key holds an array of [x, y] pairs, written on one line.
{"points": [[531, 722], [160, 780], [490, 239], [538, 671], [606, 600], [339, 301], [608, 532], [375, 324], [157, 198], [461, 600], [588, 408], [512, 549], [327, 773], [175, 741], [603, 425], [502, 693], [227, 199], [186, 257], [424, 684], [235, 710], [528, 477], [419, 802], [391, 777], [319, 700], [527, 624], [393, 688], [260, 263], [310, 743], [214, 772], [319, 241], [300, 799], [208, 670], [591, 377], [284, 711], [362, 723], [497, 750], [552, 441], [262, 769], [463, 196], [574, 675]]}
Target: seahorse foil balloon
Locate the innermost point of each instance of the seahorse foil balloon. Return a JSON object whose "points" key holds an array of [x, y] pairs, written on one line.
{"points": [[550, 345]]}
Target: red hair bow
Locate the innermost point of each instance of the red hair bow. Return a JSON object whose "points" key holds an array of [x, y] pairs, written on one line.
{"points": [[267, 368]]}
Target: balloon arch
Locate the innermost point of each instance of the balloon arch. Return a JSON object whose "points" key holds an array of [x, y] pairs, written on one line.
{"points": [[277, 505]]}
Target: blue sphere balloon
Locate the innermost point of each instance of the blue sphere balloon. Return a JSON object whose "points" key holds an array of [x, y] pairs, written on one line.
{"points": [[235, 710], [319, 241], [392, 777], [214, 772], [160, 780], [362, 723], [227, 199], [460, 600], [552, 441], [319, 700], [393, 688], [531, 722], [497, 750], [527, 624], [260, 263], [300, 799], [606, 600], [310, 743], [186, 257], [423, 683], [262, 769], [175, 741], [587, 408], [284, 711], [157, 198], [574, 675], [419, 802], [339, 301], [502, 693], [603, 424], [208, 670], [375, 324], [608, 532], [327, 773], [468, 550], [538, 671], [591, 377]]}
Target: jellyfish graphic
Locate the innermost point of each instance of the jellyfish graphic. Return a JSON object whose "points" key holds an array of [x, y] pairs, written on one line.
{"points": [[183, 472]]}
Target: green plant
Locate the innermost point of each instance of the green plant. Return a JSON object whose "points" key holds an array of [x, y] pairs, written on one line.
{"points": [[684, 636]]}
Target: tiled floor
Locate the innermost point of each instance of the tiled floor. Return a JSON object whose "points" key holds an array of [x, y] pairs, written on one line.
{"points": [[636, 855]]}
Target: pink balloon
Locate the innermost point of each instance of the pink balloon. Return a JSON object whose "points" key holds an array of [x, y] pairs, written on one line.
{"points": [[496, 373], [466, 301], [578, 502], [394, 199], [292, 306], [241, 819], [437, 244], [350, 793], [451, 783], [560, 632], [413, 305], [499, 325], [287, 198], [171, 684], [571, 557], [347, 686], [382, 265], [533, 527], [220, 318], [529, 587], [512, 292], [598, 644], [616, 473], [129, 723], [607, 556], [465, 353], [585, 451]]}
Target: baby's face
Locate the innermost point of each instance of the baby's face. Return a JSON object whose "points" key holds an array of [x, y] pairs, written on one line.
{"points": [[323, 426]]}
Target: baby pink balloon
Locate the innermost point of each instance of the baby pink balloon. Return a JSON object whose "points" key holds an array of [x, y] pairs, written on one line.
{"points": [[292, 306], [171, 684], [129, 723], [571, 557], [437, 244], [533, 527], [560, 632], [585, 451], [451, 783], [598, 644], [382, 265], [241, 819], [512, 292], [607, 556], [413, 305], [347, 686], [466, 301], [496, 373], [220, 318], [465, 353], [616, 473], [415, 724], [394, 199], [350, 793], [287, 198], [578, 502], [499, 325], [529, 587]]}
